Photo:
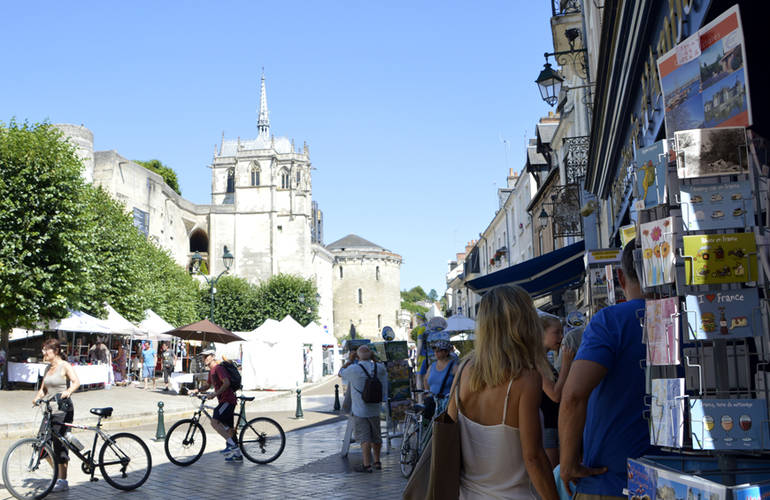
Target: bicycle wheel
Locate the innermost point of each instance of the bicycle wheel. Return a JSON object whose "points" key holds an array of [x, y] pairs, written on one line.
{"points": [[409, 447], [30, 469], [185, 442], [262, 440], [125, 461]]}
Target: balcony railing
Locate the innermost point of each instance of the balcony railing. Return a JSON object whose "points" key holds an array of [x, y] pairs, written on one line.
{"points": [[576, 158]]}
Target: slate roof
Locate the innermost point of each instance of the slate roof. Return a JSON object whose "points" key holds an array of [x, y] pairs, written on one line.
{"points": [[355, 242]]}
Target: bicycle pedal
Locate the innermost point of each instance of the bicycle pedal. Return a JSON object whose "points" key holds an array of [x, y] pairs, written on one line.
{"points": [[94, 479]]}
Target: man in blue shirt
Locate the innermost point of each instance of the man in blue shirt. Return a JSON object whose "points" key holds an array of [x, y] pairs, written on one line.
{"points": [[148, 365], [603, 398], [366, 416]]}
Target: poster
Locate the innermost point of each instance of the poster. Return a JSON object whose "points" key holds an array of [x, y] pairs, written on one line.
{"points": [[729, 424], [642, 480], [720, 258], [661, 325], [667, 412], [704, 79], [717, 206], [709, 152], [396, 350], [398, 380], [657, 239], [754, 492], [725, 314], [650, 176], [673, 485], [627, 233]]}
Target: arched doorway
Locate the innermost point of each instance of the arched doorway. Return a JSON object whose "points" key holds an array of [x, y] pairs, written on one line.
{"points": [[199, 242]]}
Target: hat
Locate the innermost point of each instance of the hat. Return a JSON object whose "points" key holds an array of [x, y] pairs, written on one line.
{"points": [[207, 352], [436, 323], [443, 345]]}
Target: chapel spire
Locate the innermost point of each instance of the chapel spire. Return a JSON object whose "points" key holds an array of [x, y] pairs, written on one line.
{"points": [[264, 116]]}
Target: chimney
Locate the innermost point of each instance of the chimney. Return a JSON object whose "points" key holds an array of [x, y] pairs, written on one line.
{"points": [[511, 178]]}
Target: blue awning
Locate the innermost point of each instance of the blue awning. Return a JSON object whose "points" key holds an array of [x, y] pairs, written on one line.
{"points": [[543, 274]]}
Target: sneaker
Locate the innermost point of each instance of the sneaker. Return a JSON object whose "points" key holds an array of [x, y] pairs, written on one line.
{"points": [[363, 468], [229, 449], [235, 457], [61, 485]]}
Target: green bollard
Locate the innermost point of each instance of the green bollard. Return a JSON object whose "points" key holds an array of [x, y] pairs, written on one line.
{"points": [[298, 414], [160, 432], [337, 397]]}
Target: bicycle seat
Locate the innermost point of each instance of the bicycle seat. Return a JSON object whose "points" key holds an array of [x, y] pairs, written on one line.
{"points": [[246, 398], [102, 412], [419, 408]]}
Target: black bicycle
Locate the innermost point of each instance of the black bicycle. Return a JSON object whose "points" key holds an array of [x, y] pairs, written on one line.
{"points": [[261, 439], [30, 467]]}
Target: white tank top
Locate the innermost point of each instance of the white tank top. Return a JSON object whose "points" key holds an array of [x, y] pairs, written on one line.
{"points": [[493, 465]]}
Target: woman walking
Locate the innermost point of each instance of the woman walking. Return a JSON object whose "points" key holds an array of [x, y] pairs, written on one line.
{"points": [[497, 403], [167, 360], [60, 379]]}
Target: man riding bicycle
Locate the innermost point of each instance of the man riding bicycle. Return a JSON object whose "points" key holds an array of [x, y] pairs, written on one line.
{"points": [[223, 418]]}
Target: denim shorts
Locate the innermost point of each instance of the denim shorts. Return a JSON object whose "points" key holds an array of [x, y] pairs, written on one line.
{"points": [[550, 437]]}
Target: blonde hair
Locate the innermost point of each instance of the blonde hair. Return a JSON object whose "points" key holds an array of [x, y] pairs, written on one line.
{"points": [[509, 338], [549, 321]]}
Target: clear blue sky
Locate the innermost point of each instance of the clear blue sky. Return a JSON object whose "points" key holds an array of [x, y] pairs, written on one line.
{"points": [[404, 104]]}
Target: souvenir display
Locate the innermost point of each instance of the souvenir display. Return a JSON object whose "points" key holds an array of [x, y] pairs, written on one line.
{"points": [[704, 80], [725, 424], [661, 325], [396, 350], [667, 412], [720, 258], [641, 480], [709, 152], [717, 206], [722, 314], [657, 241], [650, 183], [673, 485]]}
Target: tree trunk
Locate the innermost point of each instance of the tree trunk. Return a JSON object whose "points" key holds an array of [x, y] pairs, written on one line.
{"points": [[5, 334]]}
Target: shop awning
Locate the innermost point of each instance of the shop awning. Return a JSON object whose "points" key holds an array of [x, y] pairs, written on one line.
{"points": [[541, 275]]}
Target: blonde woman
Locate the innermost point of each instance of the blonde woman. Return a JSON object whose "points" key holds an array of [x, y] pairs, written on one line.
{"points": [[553, 382], [497, 405]]}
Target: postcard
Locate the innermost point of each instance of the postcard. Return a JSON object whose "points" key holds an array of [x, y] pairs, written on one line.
{"points": [[657, 239], [708, 152], [725, 314], [396, 350], [729, 424], [717, 206], [720, 258], [650, 176], [661, 325], [674, 485], [667, 412], [642, 479]]}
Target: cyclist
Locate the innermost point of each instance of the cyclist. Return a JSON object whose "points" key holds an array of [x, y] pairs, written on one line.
{"points": [[223, 418], [59, 375]]}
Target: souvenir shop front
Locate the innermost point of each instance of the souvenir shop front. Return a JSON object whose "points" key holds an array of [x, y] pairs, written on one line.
{"points": [[679, 152]]}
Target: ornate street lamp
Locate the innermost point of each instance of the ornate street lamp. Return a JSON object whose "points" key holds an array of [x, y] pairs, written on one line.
{"points": [[543, 218], [227, 260], [549, 82]]}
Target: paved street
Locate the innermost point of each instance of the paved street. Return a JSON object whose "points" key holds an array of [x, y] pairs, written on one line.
{"points": [[310, 466]]}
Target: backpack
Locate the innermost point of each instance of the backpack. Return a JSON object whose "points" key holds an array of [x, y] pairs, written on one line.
{"points": [[233, 374], [372, 392]]}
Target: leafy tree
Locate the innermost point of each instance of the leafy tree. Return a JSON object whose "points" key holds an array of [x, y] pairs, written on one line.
{"points": [[235, 304], [287, 294], [42, 269], [433, 295], [413, 308], [416, 294], [168, 174]]}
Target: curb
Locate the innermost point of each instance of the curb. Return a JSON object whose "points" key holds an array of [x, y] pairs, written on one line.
{"points": [[29, 429]]}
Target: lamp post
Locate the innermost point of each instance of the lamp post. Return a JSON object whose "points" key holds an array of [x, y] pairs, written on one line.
{"points": [[550, 81], [227, 259]]}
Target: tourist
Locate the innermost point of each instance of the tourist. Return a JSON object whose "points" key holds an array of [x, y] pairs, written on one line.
{"points": [[602, 403], [497, 402], [441, 374], [168, 360], [120, 362], [148, 365], [553, 382], [60, 380]]}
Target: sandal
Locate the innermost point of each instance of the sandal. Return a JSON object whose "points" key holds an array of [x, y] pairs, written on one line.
{"points": [[378, 465], [363, 468]]}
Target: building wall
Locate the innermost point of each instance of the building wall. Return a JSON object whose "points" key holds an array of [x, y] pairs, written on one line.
{"points": [[83, 140], [379, 297]]}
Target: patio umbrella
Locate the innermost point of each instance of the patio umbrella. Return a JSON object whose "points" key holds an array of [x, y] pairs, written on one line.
{"points": [[205, 331], [459, 323]]}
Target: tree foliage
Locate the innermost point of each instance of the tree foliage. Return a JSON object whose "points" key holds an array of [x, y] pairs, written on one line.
{"points": [[433, 295], [235, 304], [168, 174], [286, 294], [410, 299]]}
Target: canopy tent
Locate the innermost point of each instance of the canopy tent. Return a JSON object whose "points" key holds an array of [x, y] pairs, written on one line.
{"points": [[459, 323], [21, 333], [78, 321], [541, 275], [120, 325], [154, 325], [463, 336], [320, 337], [272, 358]]}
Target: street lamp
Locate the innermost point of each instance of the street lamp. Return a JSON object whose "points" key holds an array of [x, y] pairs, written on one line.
{"points": [[227, 259], [543, 217], [549, 82]]}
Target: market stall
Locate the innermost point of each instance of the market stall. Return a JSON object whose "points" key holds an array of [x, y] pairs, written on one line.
{"points": [[272, 359]]}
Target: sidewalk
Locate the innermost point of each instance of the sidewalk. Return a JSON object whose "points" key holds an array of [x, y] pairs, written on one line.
{"points": [[132, 407]]}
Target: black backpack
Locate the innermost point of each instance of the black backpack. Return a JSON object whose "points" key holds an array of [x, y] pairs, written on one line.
{"points": [[233, 374], [372, 392]]}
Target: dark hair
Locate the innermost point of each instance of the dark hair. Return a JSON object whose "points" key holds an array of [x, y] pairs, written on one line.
{"points": [[54, 345], [627, 261]]}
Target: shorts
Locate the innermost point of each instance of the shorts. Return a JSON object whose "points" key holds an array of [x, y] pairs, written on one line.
{"points": [[57, 424], [167, 371], [550, 437], [223, 413], [367, 429], [148, 371]]}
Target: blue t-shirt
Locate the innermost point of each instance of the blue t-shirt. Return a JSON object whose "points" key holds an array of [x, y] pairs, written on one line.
{"points": [[436, 377], [149, 356], [615, 428]]}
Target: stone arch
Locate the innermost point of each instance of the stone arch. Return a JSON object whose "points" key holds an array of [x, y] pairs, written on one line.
{"points": [[199, 241]]}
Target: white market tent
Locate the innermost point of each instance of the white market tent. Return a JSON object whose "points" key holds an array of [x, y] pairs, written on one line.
{"points": [[120, 325], [272, 358], [154, 325], [318, 338], [78, 321]]}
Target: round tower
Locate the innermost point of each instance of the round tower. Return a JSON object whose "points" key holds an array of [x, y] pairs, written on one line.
{"points": [[83, 139]]}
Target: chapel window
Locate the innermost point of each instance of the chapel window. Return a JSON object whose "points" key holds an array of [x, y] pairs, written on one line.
{"points": [[255, 176], [360, 296], [230, 180], [285, 179]]}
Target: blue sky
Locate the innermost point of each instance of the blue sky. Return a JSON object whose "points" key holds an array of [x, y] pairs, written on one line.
{"points": [[404, 105]]}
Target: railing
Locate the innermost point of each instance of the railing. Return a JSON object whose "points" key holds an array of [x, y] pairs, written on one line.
{"points": [[576, 158]]}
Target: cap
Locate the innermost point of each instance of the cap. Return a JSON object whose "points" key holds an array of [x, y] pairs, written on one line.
{"points": [[206, 352]]}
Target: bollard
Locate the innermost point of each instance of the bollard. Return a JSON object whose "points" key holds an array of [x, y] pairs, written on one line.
{"points": [[298, 413], [160, 432], [337, 397]]}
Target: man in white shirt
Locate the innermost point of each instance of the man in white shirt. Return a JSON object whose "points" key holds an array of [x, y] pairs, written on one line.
{"points": [[366, 416]]}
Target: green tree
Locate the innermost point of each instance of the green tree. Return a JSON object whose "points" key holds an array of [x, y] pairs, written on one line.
{"points": [[287, 294], [235, 304], [433, 295], [416, 294], [42, 269], [168, 174]]}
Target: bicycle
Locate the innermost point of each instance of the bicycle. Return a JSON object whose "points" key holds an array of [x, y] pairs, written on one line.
{"points": [[416, 435], [30, 467], [186, 440]]}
